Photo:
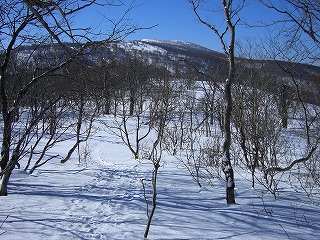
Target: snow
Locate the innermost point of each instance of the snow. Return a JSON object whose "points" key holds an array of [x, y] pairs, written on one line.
{"points": [[177, 43], [142, 46], [183, 45], [103, 199]]}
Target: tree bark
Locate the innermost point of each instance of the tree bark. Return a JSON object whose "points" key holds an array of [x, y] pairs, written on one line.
{"points": [[154, 198], [4, 183], [229, 14], [6, 173], [284, 107], [6, 135], [226, 162]]}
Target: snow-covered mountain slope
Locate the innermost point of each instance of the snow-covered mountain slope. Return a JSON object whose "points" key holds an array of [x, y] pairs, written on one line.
{"points": [[183, 46], [161, 52], [181, 58]]}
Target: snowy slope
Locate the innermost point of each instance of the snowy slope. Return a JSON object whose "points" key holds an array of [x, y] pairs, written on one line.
{"points": [[103, 199]]}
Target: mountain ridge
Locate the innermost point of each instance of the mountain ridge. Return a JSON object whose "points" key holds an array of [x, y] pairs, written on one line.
{"points": [[172, 54]]}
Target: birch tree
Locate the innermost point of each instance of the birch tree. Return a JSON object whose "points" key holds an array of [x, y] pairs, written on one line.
{"points": [[227, 36]]}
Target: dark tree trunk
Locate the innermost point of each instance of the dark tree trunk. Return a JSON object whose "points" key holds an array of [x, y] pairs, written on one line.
{"points": [[6, 138], [226, 162], [4, 183], [284, 107], [229, 14], [78, 140], [154, 198], [132, 101], [6, 175]]}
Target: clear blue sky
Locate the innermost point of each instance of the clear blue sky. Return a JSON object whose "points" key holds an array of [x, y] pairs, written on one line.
{"points": [[176, 21]]}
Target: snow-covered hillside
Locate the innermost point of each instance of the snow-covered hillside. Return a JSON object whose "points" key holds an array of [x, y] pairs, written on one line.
{"points": [[174, 54], [103, 198], [108, 194]]}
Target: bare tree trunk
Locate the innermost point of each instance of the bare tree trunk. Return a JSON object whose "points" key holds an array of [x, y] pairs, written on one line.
{"points": [[284, 107], [6, 136], [230, 12], [132, 101], [78, 132], [226, 162], [157, 149], [4, 182], [154, 198], [6, 173]]}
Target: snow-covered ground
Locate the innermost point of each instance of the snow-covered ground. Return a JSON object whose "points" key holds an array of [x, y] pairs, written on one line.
{"points": [[104, 199]]}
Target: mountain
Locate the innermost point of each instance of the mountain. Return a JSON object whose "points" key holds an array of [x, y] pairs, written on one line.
{"points": [[182, 59], [167, 53], [175, 50], [180, 56], [176, 56]]}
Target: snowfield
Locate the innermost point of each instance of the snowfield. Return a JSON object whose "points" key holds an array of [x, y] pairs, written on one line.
{"points": [[103, 198]]}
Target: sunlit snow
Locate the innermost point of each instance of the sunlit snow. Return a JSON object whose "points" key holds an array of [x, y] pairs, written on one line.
{"points": [[103, 198]]}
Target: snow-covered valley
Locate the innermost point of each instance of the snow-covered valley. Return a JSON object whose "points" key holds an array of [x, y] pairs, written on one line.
{"points": [[103, 198]]}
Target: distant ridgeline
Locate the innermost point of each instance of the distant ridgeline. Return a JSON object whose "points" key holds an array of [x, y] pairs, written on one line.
{"points": [[183, 60]]}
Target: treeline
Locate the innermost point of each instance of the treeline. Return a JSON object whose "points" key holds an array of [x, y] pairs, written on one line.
{"points": [[155, 111], [86, 87]]}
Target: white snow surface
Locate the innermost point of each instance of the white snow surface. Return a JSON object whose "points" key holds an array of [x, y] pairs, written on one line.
{"points": [[142, 46], [103, 199], [177, 43]]}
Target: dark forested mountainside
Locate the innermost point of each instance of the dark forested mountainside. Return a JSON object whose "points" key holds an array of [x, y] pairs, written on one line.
{"points": [[182, 60], [165, 53]]}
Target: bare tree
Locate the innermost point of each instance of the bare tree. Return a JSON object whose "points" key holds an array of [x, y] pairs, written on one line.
{"points": [[303, 16], [161, 111], [259, 129], [132, 117], [299, 42], [228, 31], [82, 132], [310, 126], [37, 23], [284, 96]]}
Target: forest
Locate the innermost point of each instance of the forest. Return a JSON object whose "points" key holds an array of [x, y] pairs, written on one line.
{"points": [[226, 125]]}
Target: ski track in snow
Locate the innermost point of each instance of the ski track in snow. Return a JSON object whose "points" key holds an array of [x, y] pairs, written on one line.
{"points": [[104, 200]]}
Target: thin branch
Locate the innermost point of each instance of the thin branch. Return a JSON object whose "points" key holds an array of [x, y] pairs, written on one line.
{"points": [[195, 7], [293, 163], [46, 26]]}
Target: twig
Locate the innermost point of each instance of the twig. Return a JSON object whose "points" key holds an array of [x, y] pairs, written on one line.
{"points": [[283, 229], [3, 223], [145, 194]]}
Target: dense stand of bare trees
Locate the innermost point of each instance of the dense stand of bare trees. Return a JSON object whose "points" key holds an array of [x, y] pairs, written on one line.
{"points": [[50, 92], [40, 23]]}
